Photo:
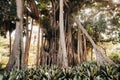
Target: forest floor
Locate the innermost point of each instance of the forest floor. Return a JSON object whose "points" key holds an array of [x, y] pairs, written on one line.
{"points": [[4, 53]]}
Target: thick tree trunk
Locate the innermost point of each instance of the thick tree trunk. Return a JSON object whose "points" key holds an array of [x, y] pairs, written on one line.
{"points": [[85, 48], [62, 36], [80, 46], [38, 47], [53, 41], [28, 40], [69, 45], [101, 58], [41, 54], [68, 36], [59, 57], [15, 60]]}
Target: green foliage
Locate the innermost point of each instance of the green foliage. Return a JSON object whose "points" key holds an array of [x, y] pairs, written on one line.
{"points": [[96, 17], [115, 57], [45, 22], [43, 6], [8, 9], [84, 71], [114, 21], [7, 15], [109, 72]]}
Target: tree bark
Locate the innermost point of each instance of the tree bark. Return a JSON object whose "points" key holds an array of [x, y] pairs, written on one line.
{"points": [[15, 60], [101, 58], [59, 57], [38, 47], [80, 46], [69, 46], [85, 48], [62, 36], [28, 40], [41, 54]]}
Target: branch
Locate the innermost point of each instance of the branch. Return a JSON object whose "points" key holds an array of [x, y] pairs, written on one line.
{"points": [[101, 58], [34, 8], [30, 13]]}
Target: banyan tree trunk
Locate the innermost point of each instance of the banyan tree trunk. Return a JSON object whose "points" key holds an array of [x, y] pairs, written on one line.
{"points": [[16, 57], [85, 48], [69, 46], [80, 46], [38, 47], [100, 57], [62, 36], [28, 40]]}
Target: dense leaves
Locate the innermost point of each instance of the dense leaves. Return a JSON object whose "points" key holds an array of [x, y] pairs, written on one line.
{"points": [[7, 16], [84, 71], [93, 25]]}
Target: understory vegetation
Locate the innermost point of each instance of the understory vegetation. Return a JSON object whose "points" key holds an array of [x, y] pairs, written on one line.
{"points": [[115, 57], [84, 71]]}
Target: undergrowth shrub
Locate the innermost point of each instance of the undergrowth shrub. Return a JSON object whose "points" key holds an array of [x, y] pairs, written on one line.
{"points": [[115, 57], [84, 71]]}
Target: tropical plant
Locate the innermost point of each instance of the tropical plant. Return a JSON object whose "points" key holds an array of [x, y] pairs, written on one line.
{"points": [[84, 71]]}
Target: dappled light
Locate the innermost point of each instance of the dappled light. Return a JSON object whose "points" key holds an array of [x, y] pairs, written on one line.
{"points": [[116, 1]]}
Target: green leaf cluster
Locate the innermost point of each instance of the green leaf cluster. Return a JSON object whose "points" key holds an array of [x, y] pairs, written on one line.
{"points": [[7, 14], [84, 71], [7, 9], [115, 57]]}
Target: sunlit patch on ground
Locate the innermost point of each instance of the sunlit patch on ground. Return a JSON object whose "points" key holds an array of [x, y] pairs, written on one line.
{"points": [[4, 53]]}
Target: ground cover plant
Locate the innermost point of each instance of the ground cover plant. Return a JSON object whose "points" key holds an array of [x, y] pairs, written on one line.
{"points": [[84, 71]]}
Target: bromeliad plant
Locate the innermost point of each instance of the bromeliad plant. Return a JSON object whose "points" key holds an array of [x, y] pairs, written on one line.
{"points": [[84, 71]]}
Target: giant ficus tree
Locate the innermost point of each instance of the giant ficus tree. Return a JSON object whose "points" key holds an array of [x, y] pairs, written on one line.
{"points": [[62, 40]]}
